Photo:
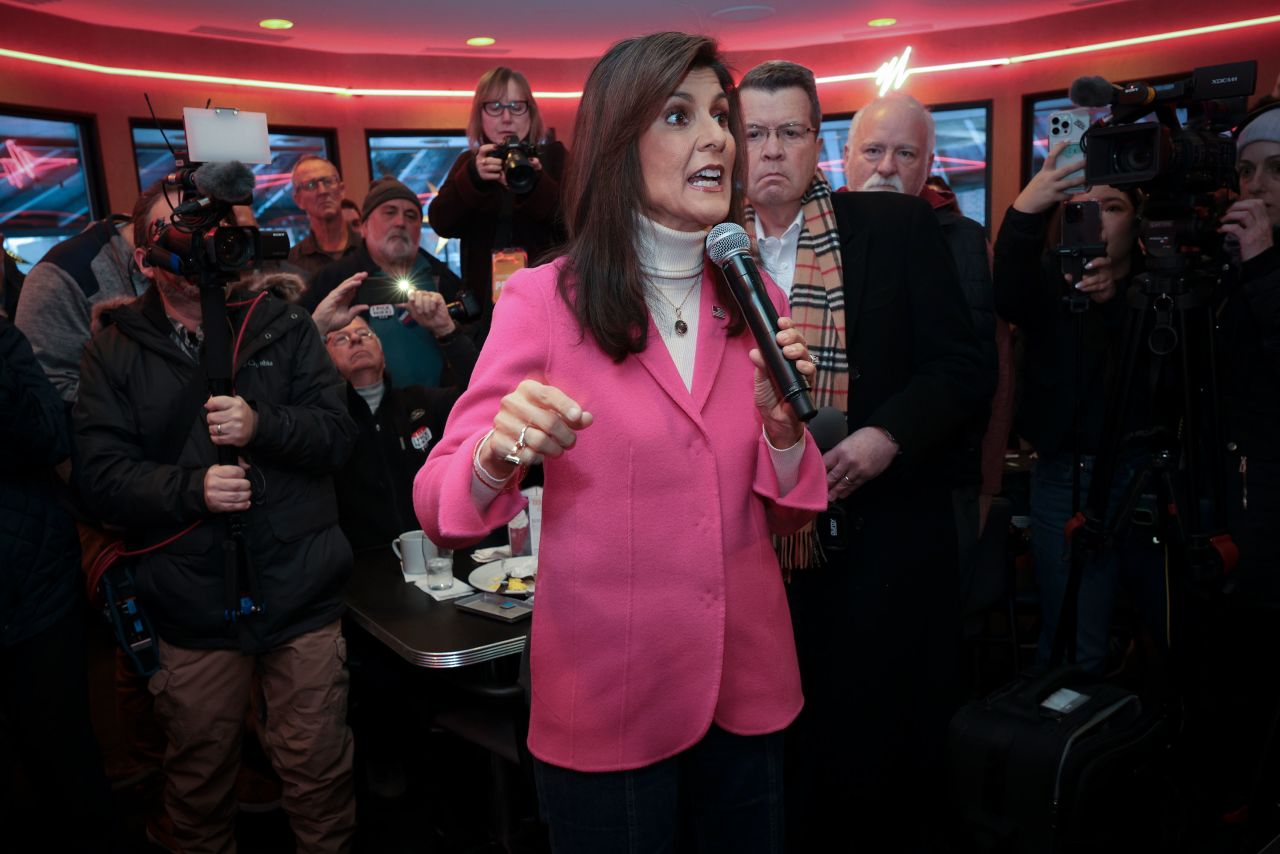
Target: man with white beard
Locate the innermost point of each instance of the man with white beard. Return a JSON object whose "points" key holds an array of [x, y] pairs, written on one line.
{"points": [[391, 266], [869, 283], [891, 149]]}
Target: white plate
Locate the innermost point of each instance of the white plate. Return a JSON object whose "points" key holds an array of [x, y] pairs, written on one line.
{"points": [[490, 576]]}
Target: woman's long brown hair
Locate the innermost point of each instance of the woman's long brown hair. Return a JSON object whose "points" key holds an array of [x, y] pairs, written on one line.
{"points": [[604, 193]]}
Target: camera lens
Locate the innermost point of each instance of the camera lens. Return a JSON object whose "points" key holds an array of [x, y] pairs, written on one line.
{"points": [[232, 247], [1134, 155]]}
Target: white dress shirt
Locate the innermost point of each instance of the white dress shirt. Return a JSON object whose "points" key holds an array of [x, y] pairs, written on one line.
{"points": [[778, 254]]}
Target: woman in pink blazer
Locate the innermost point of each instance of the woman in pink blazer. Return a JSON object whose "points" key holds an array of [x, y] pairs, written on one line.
{"points": [[663, 663]]}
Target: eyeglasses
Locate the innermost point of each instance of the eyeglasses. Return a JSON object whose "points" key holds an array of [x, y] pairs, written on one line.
{"points": [[316, 183], [792, 133], [344, 339], [495, 108]]}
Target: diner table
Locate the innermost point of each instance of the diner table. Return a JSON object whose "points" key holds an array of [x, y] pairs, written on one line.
{"points": [[422, 631]]}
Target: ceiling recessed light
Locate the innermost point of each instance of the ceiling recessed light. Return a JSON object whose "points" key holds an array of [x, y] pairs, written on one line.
{"points": [[275, 24], [481, 41], [882, 22]]}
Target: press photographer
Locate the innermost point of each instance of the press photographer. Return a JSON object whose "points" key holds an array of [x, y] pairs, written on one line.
{"points": [[502, 196], [231, 495]]}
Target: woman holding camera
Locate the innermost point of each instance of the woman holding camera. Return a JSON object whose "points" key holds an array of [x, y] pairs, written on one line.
{"points": [[482, 206], [663, 662], [1070, 355]]}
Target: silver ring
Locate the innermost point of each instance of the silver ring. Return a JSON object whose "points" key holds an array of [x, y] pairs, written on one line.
{"points": [[814, 359], [846, 479], [514, 456], [217, 428]]}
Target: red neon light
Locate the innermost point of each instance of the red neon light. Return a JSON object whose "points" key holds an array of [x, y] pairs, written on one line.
{"points": [[21, 169]]}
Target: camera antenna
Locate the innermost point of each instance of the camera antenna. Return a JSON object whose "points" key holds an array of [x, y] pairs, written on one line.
{"points": [[152, 110]]}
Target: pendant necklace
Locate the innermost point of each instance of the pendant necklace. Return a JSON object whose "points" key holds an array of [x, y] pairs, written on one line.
{"points": [[680, 326]]}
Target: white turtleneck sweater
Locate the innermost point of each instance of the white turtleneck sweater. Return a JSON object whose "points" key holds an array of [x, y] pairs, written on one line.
{"points": [[672, 265]]}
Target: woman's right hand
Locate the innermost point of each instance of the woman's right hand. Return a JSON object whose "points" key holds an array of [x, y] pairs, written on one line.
{"points": [[489, 166], [1050, 184], [548, 418]]}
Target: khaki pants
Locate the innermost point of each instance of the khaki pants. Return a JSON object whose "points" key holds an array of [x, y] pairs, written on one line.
{"points": [[202, 697]]}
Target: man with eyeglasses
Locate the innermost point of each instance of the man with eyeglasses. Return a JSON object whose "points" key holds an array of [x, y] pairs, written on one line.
{"points": [[318, 191], [398, 280], [873, 290], [397, 427]]}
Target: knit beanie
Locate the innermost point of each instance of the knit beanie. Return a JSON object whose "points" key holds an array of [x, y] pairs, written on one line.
{"points": [[385, 189], [1265, 127]]}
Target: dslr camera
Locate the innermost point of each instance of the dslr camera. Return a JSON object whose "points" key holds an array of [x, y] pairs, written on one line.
{"points": [[515, 155]]}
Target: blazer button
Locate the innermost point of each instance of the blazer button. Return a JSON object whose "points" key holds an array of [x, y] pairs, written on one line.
{"points": [[855, 373]]}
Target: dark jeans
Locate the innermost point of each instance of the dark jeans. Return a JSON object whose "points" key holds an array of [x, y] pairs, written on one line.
{"points": [[722, 794]]}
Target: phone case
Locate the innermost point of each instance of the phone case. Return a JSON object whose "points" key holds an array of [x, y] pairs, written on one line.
{"points": [[1069, 126]]}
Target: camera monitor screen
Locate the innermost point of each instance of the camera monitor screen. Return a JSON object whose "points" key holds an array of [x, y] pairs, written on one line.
{"points": [[960, 158], [272, 195], [421, 160], [44, 186]]}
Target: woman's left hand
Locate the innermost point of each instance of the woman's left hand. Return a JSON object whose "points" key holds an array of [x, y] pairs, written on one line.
{"points": [[1098, 281], [781, 426]]}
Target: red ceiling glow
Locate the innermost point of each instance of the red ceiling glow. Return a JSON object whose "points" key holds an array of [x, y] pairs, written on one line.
{"points": [[467, 93]]}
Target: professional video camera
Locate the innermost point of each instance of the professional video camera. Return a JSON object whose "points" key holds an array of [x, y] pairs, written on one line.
{"points": [[515, 156], [198, 242], [1168, 342], [1180, 168]]}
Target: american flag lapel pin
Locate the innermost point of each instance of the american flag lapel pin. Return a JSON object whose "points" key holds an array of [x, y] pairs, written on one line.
{"points": [[717, 311]]}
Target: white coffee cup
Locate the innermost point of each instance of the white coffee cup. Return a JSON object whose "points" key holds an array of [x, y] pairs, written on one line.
{"points": [[413, 548]]}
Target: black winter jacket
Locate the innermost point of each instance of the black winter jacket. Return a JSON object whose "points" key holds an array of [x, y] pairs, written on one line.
{"points": [[1028, 292], [375, 487], [967, 241], [39, 549], [471, 209], [133, 377]]}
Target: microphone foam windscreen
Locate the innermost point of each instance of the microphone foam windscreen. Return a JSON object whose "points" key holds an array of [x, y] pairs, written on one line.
{"points": [[726, 239], [1092, 92], [226, 182]]}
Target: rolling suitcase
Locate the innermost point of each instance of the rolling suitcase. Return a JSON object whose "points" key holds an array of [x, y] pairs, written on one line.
{"points": [[1060, 763]]}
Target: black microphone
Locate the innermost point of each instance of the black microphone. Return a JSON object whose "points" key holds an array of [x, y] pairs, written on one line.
{"points": [[729, 246], [1100, 92]]}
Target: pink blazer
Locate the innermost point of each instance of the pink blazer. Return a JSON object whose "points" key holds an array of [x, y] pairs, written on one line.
{"points": [[660, 605]]}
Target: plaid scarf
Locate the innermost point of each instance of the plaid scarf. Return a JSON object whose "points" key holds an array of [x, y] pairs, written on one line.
{"points": [[817, 307]]}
